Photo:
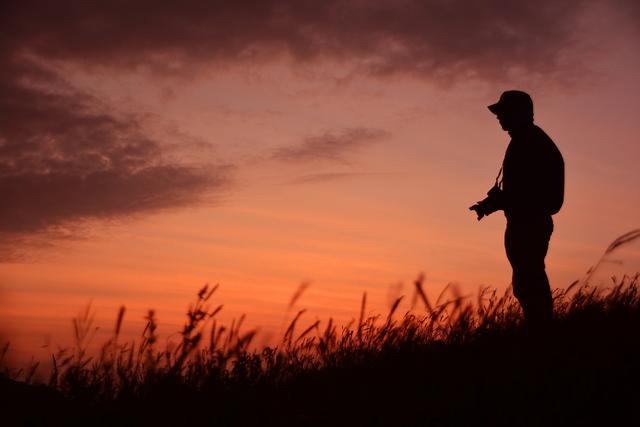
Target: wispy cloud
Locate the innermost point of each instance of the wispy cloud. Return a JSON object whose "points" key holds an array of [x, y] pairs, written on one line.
{"points": [[313, 178], [331, 146]]}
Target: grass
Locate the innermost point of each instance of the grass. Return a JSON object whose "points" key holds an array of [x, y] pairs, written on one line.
{"points": [[455, 363], [447, 362]]}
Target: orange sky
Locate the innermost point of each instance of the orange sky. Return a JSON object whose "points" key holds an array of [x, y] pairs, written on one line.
{"points": [[317, 170]]}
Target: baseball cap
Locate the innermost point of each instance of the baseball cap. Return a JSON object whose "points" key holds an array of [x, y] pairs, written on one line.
{"points": [[513, 100]]}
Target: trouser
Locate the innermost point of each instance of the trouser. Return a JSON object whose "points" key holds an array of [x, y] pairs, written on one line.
{"points": [[526, 241]]}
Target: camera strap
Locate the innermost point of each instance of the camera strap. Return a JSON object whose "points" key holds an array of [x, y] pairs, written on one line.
{"points": [[499, 179]]}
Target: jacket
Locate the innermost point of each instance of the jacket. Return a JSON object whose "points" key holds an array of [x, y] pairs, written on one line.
{"points": [[532, 177]]}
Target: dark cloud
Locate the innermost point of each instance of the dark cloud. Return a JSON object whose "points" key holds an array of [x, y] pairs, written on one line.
{"points": [[631, 9], [332, 146], [65, 157], [445, 40]]}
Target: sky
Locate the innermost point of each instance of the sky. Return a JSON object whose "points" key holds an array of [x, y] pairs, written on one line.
{"points": [[147, 149]]}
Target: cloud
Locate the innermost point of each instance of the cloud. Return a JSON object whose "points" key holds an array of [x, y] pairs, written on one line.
{"points": [[330, 146], [334, 176], [439, 40], [65, 158]]}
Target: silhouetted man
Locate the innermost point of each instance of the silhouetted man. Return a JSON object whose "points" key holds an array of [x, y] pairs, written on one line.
{"points": [[531, 190]]}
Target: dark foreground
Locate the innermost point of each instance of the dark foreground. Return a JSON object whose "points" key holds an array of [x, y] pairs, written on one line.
{"points": [[455, 365]]}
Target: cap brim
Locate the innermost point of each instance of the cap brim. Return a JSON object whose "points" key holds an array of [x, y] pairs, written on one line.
{"points": [[494, 108]]}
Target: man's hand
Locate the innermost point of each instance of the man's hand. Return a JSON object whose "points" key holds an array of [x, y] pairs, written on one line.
{"points": [[478, 209]]}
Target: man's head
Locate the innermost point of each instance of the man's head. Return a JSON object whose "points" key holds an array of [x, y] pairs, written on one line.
{"points": [[514, 110]]}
